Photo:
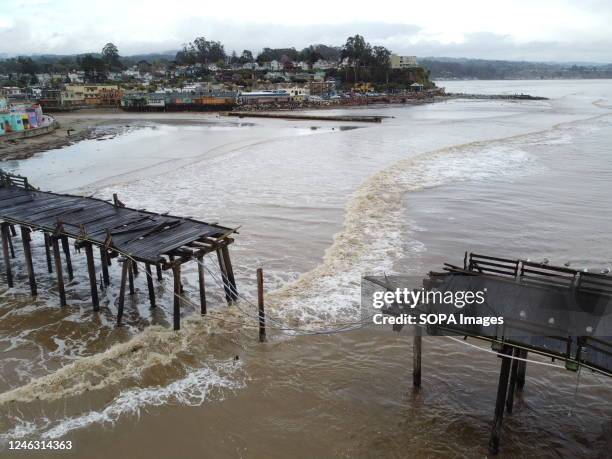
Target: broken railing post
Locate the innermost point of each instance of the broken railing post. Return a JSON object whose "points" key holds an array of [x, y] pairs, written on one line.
{"points": [[27, 251], [176, 271], [91, 268], [260, 305], [7, 257], [416, 357], [124, 274], [200, 262], [150, 286], [501, 398], [58, 269]]}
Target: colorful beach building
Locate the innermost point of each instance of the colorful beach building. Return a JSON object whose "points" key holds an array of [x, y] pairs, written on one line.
{"points": [[20, 117]]}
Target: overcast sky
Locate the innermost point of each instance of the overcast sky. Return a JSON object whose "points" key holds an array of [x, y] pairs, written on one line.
{"points": [[542, 30]]}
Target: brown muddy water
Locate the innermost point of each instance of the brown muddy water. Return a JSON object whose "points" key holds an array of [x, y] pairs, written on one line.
{"points": [[319, 205]]}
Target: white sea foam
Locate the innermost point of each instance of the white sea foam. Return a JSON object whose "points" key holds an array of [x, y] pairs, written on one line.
{"points": [[196, 387]]}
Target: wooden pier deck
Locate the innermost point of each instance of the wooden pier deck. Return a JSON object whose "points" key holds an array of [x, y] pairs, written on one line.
{"points": [[134, 235]]}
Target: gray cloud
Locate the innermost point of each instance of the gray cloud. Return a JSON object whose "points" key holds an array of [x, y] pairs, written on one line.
{"points": [[400, 38]]}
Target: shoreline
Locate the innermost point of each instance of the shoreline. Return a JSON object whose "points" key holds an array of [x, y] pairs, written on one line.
{"points": [[82, 124]]}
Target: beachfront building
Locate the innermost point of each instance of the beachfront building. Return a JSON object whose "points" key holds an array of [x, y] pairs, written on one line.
{"points": [[323, 89], [403, 62], [297, 94], [264, 97], [20, 117], [416, 87], [324, 65]]}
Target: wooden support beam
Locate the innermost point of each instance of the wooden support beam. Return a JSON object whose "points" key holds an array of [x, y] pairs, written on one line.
{"points": [[512, 384], [502, 388], [10, 241], [91, 268], [58, 270], [520, 375], [150, 286], [27, 251], [135, 269], [124, 274], [260, 305], [159, 272], [224, 278], [131, 278], [13, 231], [200, 261], [48, 252], [416, 357], [230, 272], [66, 247], [176, 271], [7, 257], [104, 261]]}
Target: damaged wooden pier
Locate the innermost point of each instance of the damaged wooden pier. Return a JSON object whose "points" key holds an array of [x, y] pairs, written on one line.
{"points": [[551, 311], [162, 242]]}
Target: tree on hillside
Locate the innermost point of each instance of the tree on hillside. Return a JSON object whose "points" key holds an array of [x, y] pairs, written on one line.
{"points": [[27, 66], [207, 51], [246, 57], [201, 51], [310, 55], [357, 51], [110, 56], [381, 61], [94, 68]]}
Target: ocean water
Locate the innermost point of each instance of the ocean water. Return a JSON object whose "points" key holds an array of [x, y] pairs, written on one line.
{"points": [[318, 205]]}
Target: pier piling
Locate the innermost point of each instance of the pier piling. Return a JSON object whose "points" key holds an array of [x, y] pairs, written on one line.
{"points": [[48, 253], [150, 286], [27, 251], [176, 271], [512, 383], [58, 270], [416, 358], [502, 388], [7, 257], [522, 369], [66, 247], [104, 262], [121, 304], [201, 282], [131, 278], [260, 305], [224, 276], [91, 268]]}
